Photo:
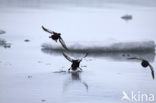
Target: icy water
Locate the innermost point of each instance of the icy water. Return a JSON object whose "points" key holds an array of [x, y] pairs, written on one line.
{"points": [[32, 72]]}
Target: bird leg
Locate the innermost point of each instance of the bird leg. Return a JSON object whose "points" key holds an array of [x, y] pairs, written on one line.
{"points": [[69, 69]]}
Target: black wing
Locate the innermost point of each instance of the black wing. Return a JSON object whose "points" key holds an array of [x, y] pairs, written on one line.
{"points": [[152, 70], [63, 43], [67, 57], [47, 30]]}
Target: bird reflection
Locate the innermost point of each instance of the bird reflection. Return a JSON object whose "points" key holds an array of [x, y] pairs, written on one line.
{"points": [[75, 77]]}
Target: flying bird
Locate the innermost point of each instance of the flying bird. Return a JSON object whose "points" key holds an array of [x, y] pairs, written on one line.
{"points": [[75, 62], [55, 36], [145, 64]]}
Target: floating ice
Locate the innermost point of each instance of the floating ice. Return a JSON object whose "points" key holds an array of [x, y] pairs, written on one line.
{"points": [[117, 51]]}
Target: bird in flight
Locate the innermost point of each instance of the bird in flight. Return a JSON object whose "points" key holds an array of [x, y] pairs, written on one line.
{"points": [[55, 36], [75, 62], [145, 64]]}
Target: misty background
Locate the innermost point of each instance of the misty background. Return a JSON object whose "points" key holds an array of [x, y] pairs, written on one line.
{"points": [[81, 3], [33, 69]]}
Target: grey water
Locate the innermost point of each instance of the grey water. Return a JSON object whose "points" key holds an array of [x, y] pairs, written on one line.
{"points": [[33, 69]]}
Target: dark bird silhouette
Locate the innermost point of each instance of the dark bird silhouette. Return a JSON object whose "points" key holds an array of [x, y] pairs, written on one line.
{"points": [[55, 36], [75, 62], [145, 64]]}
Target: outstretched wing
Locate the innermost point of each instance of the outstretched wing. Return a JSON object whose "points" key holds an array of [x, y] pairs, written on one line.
{"points": [[136, 58], [67, 57], [152, 70], [84, 57], [47, 30], [63, 43]]}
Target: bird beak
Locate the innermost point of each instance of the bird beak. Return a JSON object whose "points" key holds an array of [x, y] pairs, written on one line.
{"points": [[56, 41], [49, 36]]}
